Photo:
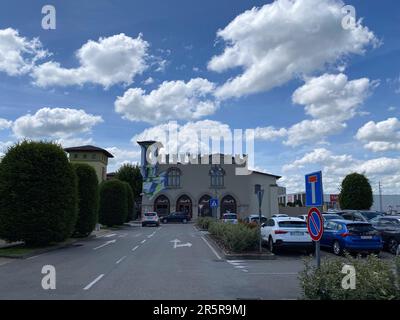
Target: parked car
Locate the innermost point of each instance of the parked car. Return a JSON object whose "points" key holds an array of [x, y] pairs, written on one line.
{"points": [[360, 215], [254, 218], [352, 236], [277, 215], [286, 232], [389, 229], [150, 218], [303, 217], [330, 216], [230, 218], [176, 217]]}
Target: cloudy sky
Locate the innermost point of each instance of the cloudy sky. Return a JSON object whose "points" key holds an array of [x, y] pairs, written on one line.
{"points": [[320, 92]]}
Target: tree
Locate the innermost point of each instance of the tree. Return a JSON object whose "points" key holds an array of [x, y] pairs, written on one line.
{"points": [[113, 209], [356, 192], [290, 204], [130, 202], [298, 203], [38, 194], [131, 173], [88, 199]]}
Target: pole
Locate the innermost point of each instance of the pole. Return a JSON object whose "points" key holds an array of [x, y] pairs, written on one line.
{"points": [[259, 221], [380, 197], [317, 253]]}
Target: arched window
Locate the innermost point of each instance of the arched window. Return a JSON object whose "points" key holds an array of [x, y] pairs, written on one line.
{"points": [[174, 178], [161, 205], [228, 205], [204, 206], [217, 177], [184, 204]]}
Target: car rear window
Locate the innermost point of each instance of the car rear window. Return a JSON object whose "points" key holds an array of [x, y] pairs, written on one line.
{"points": [[370, 215], [150, 214], [292, 224], [230, 216], [360, 228]]}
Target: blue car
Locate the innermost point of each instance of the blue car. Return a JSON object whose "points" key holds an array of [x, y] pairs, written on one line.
{"points": [[352, 236]]}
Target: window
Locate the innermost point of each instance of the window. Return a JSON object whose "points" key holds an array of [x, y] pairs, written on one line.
{"points": [[93, 156], [174, 178], [75, 155], [85, 156], [217, 176]]}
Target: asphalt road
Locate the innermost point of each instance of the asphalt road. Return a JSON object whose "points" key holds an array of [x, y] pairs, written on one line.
{"points": [[146, 263]]}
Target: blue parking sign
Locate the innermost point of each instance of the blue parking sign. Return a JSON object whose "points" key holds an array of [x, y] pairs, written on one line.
{"points": [[213, 203], [314, 190]]}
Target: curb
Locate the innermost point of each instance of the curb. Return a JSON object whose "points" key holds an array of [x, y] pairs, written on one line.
{"points": [[236, 256]]}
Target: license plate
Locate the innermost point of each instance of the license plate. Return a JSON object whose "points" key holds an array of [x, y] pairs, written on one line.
{"points": [[366, 237], [297, 233]]}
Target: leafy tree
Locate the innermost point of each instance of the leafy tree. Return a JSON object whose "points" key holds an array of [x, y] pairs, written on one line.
{"points": [[88, 199], [298, 203], [356, 192], [290, 204], [113, 208], [130, 202], [38, 194]]}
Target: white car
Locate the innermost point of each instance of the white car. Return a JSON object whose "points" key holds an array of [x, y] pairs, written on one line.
{"points": [[150, 218], [230, 218], [286, 232], [278, 215]]}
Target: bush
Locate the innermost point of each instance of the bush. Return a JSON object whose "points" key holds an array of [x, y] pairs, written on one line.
{"points": [[38, 194], [235, 237], [204, 222], [356, 192], [88, 199], [130, 203], [113, 209], [375, 280]]}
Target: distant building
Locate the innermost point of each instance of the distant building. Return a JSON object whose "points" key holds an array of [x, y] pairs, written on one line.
{"points": [[93, 156], [111, 175]]}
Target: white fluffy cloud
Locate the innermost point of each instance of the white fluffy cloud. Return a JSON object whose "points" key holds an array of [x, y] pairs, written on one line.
{"points": [[5, 124], [55, 123], [380, 136], [269, 133], [284, 39], [188, 136], [122, 156], [336, 166], [108, 61], [330, 100], [172, 100], [18, 54]]}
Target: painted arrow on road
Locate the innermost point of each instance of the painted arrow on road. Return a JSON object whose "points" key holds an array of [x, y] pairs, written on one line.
{"points": [[178, 245], [105, 244]]}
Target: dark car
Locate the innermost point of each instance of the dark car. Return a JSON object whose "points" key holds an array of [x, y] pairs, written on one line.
{"points": [[330, 216], [360, 215], [389, 228], [176, 217]]}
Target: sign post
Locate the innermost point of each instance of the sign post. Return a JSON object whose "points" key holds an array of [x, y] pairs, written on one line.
{"points": [[214, 206], [315, 221], [260, 194]]}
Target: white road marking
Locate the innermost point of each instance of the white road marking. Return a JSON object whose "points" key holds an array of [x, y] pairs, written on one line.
{"points": [[138, 235], [123, 235], [109, 235], [240, 267], [93, 282], [135, 248], [105, 244], [143, 241], [245, 270], [212, 249], [150, 235], [120, 260], [34, 257]]}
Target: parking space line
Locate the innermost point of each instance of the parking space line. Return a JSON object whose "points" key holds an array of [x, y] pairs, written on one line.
{"points": [[120, 260], [135, 248], [212, 249], [143, 241], [93, 282]]}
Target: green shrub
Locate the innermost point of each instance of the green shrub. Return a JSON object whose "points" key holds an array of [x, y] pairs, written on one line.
{"points": [[356, 192], [38, 194], [130, 203], [235, 237], [375, 280], [204, 222], [88, 199], [113, 209]]}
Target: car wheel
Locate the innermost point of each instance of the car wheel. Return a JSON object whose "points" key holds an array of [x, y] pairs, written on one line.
{"points": [[143, 224], [165, 221], [184, 221], [392, 245], [271, 246], [337, 249]]}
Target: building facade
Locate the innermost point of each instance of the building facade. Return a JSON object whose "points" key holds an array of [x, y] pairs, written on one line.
{"points": [[93, 156], [190, 187]]}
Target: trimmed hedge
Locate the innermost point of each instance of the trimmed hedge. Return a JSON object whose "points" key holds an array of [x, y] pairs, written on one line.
{"points": [[235, 237], [88, 199], [130, 203], [375, 279], [38, 194], [204, 222], [113, 209]]}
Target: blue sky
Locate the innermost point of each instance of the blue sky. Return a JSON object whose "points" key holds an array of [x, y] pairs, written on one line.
{"points": [[281, 67]]}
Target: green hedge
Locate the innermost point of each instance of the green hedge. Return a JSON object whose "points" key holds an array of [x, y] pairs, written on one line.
{"points": [[38, 194], [88, 195], [376, 279], [113, 208], [130, 203], [204, 222], [235, 237]]}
